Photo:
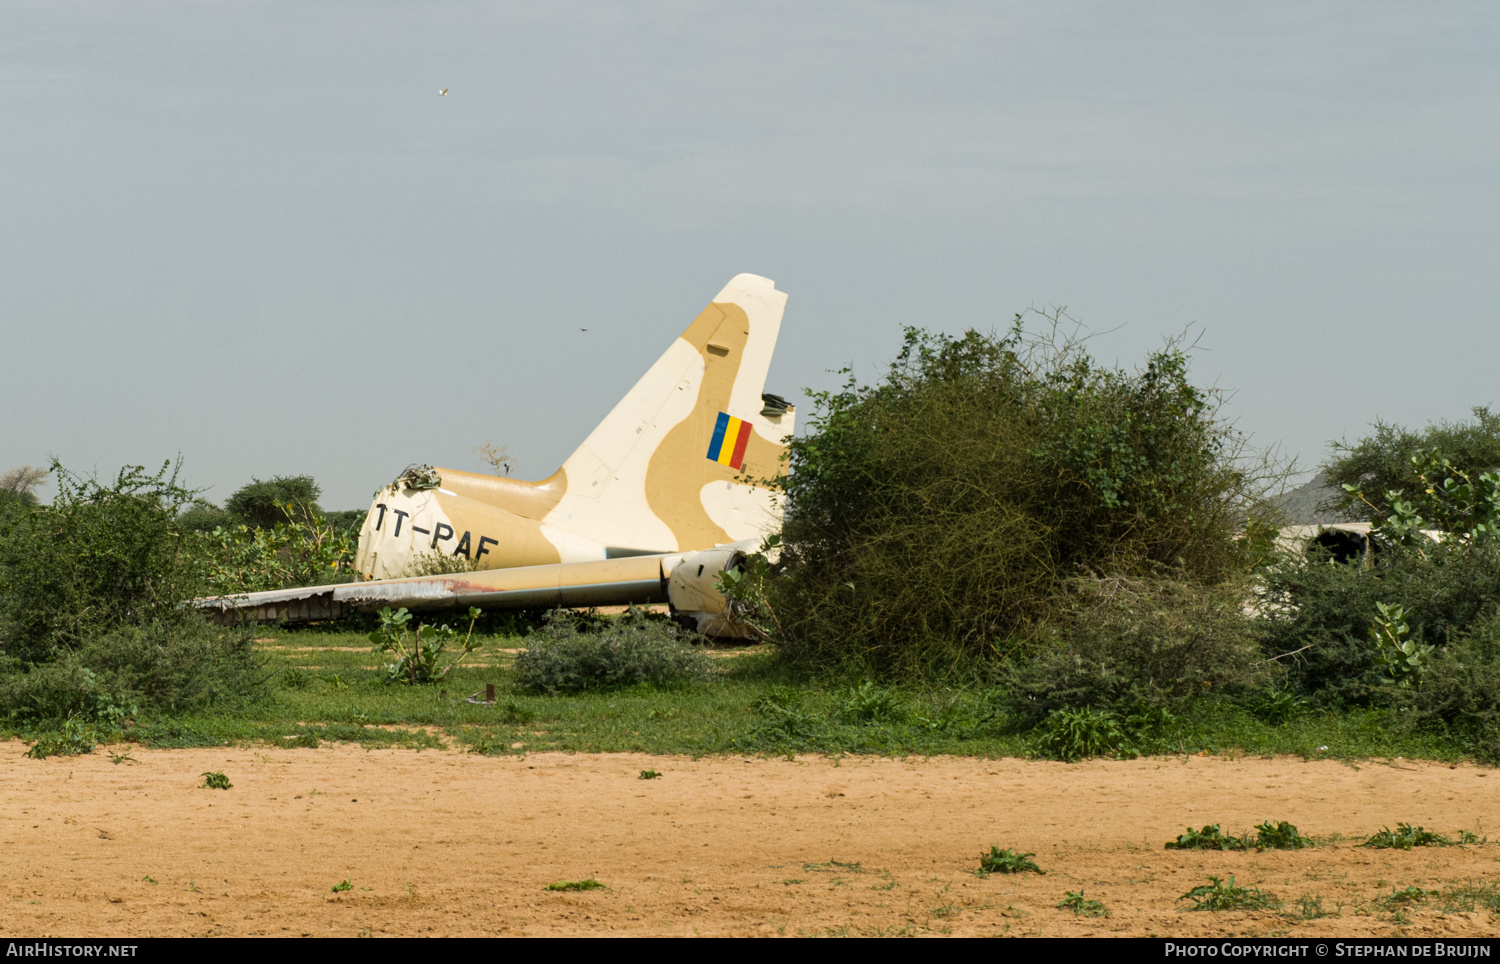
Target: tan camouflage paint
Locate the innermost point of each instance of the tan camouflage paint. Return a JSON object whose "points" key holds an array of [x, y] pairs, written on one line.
{"points": [[641, 482]]}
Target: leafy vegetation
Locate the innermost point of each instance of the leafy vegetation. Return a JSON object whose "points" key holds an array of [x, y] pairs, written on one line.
{"points": [[95, 620], [1136, 651], [1209, 838], [1082, 906], [574, 885], [1379, 464], [1405, 837], [1266, 836], [1415, 628], [932, 519], [1471, 896], [1406, 897], [1279, 836], [1217, 895], [216, 781], [419, 655], [74, 739], [1078, 734], [1007, 861]]}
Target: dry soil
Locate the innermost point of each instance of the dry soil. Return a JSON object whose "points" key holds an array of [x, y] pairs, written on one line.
{"points": [[439, 842]]}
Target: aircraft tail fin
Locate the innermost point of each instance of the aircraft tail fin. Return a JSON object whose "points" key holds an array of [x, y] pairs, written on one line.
{"points": [[698, 420]]}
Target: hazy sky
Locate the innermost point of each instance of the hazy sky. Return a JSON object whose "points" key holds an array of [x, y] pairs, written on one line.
{"points": [[253, 234]]}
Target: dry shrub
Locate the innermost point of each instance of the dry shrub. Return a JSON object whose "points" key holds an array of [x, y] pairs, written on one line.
{"points": [[1137, 648], [574, 654]]}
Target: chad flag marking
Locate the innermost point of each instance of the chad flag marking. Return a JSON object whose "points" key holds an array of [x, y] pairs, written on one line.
{"points": [[731, 435]]}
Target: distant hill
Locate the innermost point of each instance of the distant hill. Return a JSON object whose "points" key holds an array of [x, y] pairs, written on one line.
{"points": [[1301, 504]]}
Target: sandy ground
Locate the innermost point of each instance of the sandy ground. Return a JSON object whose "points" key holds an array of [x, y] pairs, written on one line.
{"points": [[445, 843]]}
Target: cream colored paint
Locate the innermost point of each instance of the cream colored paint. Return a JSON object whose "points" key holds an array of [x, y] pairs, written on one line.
{"points": [[572, 547], [610, 506], [763, 306], [387, 556], [743, 511]]}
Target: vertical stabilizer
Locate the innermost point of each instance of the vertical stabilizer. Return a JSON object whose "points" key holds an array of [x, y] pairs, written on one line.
{"points": [[668, 468], [673, 467]]}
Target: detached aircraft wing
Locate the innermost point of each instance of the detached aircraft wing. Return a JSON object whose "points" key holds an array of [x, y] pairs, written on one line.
{"points": [[659, 498]]}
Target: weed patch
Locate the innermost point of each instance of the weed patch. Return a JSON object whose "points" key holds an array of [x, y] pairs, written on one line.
{"points": [[215, 781], [834, 866], [1006, 861], [1266, 836], [573, 885], [1405, 837], [1471, 896], [868, 703], [1279, 836], [1209, 838], [76, 739], [1310, 907], [1405, 897], [1217, 895], [1070, 735], [1082, 907]]}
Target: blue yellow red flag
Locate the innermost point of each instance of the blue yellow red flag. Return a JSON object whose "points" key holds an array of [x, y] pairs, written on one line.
{"points": [[731, 436]]}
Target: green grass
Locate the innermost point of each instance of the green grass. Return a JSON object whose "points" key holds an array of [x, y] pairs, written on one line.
{"points": [[589, 884], [325, 686], [1471, 896]]}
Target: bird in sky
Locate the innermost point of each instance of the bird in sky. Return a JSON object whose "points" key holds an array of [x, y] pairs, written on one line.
{"points": [[443, 92]]}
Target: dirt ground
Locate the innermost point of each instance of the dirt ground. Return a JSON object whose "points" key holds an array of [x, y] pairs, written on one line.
{"points": [[439, 843]]}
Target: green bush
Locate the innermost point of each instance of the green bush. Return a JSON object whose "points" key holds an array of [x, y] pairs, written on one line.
{"points": [[1137, 649], [98, 557], [1380, 463], [301, 550], [417, 657], [1317, 614], [1460, 693], [1071, 735], [934, 516], [569, 655], [1411, 626], [168, 667], [96, 621], [74, 739]]}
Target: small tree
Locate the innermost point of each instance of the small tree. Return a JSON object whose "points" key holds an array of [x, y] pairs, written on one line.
{"points": [[1381, 463], [21, 481], [262, 504], [496, 456], [101, 555]]}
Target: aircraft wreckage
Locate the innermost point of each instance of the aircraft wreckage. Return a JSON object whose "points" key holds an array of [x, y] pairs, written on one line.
{"points": [[655, 504]]}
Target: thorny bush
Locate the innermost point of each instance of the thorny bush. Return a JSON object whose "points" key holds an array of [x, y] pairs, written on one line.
{"points": [[573, 654]]}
